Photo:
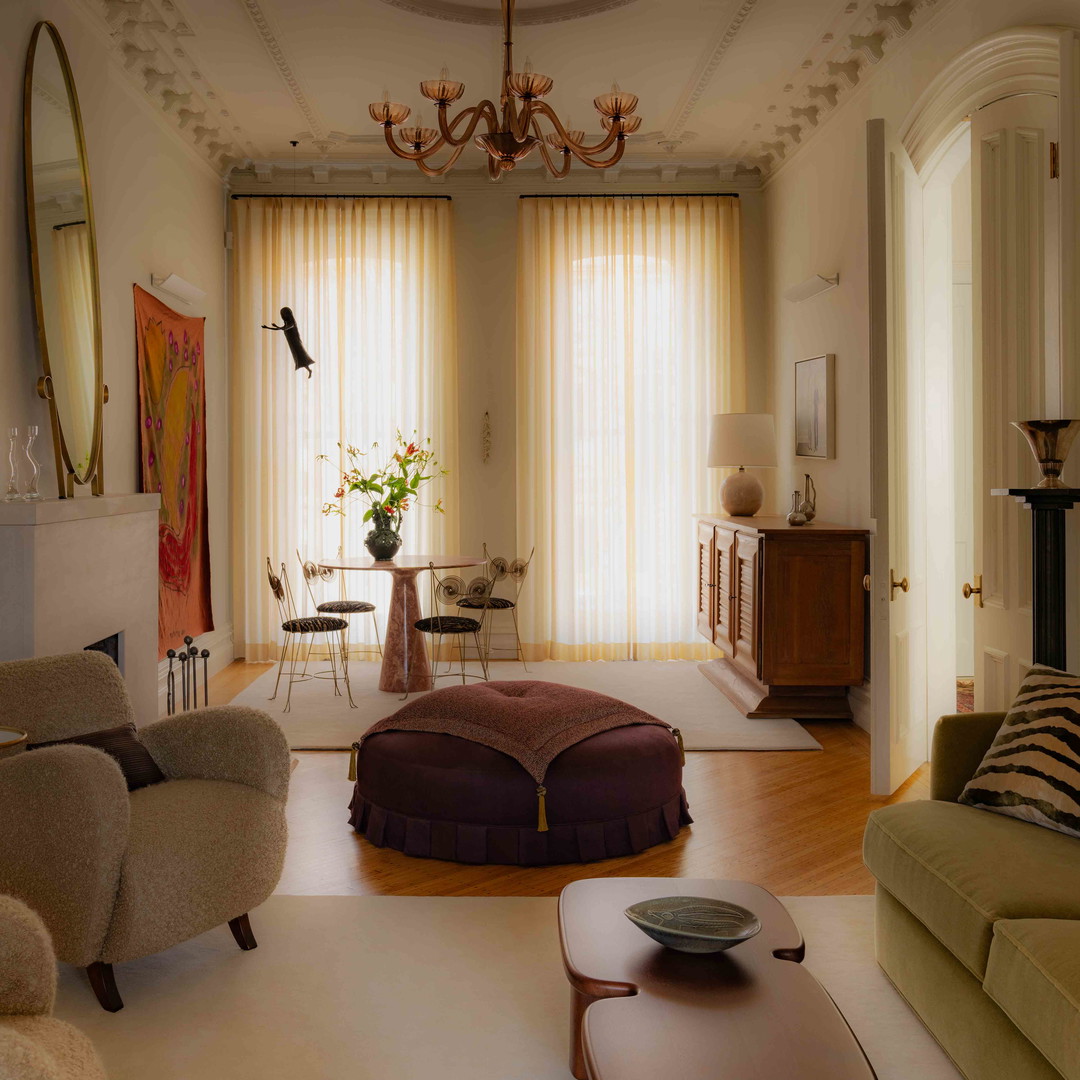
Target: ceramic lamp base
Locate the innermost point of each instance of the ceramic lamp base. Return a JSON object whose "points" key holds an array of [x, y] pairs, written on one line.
{"points": [[741, 494]]}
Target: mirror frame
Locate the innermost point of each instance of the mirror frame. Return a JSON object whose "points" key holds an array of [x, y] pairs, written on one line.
{"points": [[66, 475]]}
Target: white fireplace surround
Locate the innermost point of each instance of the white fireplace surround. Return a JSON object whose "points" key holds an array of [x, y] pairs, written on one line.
{"points": [[75, 571]]}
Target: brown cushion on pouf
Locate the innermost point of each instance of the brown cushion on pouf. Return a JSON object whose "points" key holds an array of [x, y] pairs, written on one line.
{"points": [[443, 797]]}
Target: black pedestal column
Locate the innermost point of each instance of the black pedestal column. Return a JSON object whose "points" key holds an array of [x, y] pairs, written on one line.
{"points": [[1047, 506]]}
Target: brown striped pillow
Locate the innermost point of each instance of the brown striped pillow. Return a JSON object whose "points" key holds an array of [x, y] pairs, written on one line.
{"points": [[121, 743], [1032, 769]]}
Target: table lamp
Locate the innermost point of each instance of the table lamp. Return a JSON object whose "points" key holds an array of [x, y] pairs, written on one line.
{"points": [[737, 440]]}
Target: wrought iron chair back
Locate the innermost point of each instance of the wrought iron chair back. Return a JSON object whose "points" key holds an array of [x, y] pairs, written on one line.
{"points": [[313, 574], [500, 568], [282, 590]]}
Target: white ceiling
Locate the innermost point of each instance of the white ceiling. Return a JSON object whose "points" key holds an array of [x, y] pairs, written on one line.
{"points": [[716, 78]]}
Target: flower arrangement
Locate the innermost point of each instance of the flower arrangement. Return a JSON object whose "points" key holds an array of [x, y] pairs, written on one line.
{"points": [[389, 491]]}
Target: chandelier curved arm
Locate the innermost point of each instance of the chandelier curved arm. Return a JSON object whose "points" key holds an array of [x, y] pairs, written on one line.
{"points": [[557, 171], [438, 170], [617, 153], [485, 110], [580, 150]]}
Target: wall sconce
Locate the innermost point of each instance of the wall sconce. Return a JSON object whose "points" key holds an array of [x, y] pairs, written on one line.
{"points": [[178, 287], [812, 286]]}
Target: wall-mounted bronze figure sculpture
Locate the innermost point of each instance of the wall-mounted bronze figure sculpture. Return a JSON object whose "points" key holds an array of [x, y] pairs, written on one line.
{"points": [[292, 337]]}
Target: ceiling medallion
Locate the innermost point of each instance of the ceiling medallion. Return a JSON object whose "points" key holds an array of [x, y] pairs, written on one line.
{"points": [[512, 131], [531, 14]]}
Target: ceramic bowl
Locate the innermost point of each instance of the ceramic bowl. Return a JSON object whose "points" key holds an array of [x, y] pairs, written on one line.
{"points": [[694, 924]]}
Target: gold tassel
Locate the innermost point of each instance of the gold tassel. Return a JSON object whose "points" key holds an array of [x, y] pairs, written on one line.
{"points": [[541, 810], [678, 738], [352, 761]]}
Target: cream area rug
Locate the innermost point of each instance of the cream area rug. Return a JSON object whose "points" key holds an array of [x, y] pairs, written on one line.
{"points": [[673, 690], [422, 988]]}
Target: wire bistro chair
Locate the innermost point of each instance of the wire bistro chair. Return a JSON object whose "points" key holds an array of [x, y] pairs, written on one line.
{"points": [[342, 608], [499, 569], [306, 627], [447, 591]]}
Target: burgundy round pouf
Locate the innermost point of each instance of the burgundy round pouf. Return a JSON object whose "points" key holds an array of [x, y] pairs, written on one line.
{"points": [[443, 797]]}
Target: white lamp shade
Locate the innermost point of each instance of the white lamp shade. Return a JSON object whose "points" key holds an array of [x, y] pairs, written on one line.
{"points": [[738, 439]]}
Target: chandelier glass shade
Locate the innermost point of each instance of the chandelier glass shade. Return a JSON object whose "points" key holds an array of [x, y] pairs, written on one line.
{"points": [[510, 131]]}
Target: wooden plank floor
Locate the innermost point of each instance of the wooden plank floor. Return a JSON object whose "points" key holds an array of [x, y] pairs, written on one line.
{"points": [[791, 821]]}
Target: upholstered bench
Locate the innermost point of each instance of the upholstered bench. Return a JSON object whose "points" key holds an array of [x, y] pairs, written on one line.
{"points": [[432, 794]]}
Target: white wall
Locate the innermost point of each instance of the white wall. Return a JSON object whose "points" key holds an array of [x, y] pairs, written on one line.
{"points": [[158, 209], [815, 207]]}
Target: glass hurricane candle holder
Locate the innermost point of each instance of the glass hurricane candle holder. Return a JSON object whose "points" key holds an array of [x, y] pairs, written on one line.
{"points": [[12, 493], [31, 493]]}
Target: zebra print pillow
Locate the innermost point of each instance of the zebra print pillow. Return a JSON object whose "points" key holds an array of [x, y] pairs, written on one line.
{"points": [[1032, 769]]}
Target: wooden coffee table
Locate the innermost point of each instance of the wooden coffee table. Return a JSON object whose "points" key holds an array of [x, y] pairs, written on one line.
{"points": [[642, 1012]]}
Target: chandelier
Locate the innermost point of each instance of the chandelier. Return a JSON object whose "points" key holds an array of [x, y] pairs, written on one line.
{"points": [[513, 129]]}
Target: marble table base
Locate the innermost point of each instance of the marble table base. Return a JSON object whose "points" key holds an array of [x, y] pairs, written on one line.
{"points": [[405, 666]]}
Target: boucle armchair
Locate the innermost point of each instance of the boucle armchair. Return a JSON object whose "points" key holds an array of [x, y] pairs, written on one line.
{"points": [[116, 875], [34, 1045]]}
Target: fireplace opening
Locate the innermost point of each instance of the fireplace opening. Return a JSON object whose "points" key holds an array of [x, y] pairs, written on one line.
{"points": [[110, 646]]}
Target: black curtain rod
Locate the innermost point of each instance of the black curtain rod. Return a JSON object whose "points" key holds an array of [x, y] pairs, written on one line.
{"points": [[642, 195], [321, 195], [67, 225]]}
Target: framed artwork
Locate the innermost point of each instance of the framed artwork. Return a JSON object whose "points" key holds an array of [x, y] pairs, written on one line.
{"points": [[814, 435]]}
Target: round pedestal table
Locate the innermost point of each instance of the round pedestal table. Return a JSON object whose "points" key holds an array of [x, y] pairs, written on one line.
{"points": [[405, 665]]}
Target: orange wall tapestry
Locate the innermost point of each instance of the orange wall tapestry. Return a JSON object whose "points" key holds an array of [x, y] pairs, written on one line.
{"points": [[172, 431]]}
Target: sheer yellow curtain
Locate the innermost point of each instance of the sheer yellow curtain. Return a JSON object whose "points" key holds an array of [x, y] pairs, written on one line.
{"points": [[629, 338], [73, 362], [371, 282]]}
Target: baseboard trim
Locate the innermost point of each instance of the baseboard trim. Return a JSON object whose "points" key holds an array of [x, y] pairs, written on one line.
{"points": [[860, 702], [219, 642]]}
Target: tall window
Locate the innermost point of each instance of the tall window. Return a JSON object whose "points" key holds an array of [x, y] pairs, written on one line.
{"points": [[371, 284], [629, 339]]}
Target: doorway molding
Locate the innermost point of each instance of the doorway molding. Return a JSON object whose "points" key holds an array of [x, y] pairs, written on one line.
{"points": [[1023, 59]]}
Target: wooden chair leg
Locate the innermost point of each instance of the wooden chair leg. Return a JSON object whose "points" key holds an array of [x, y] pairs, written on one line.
{"points": [[104, 986], [241, 931]]}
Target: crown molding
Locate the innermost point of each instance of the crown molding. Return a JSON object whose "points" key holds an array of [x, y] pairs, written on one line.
{"points": [[862, 36], [315, 179], [476, 15], [276, 51], [151, 43], [775, 155], [707, 67]]}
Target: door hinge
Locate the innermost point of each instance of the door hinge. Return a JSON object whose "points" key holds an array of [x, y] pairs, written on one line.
{"points": [[1054, 170]]}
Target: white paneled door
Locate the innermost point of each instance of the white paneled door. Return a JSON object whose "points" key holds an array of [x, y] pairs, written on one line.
{"points": [[898, 578], [1016, 368]]}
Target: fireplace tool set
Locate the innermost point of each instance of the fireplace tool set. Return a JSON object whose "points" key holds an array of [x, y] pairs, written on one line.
{"points": [[185, 664]]}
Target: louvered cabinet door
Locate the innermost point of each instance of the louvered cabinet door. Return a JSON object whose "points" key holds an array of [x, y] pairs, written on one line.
{"points": [[724, 593], [706, 605], [745, 616]]}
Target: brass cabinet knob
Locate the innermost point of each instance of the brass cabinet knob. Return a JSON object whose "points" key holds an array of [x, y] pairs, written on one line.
{"points": [[974, 590], [866, 582], [902, 584]]}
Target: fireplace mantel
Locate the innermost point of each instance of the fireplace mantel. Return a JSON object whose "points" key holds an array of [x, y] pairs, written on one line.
{"points": [[75, 571]]}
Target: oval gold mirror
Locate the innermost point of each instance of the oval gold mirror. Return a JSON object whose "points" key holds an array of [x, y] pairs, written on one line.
{"points": [[63, 253]]}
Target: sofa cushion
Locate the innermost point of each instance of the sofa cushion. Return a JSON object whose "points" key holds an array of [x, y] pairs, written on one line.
{"points": [[958, 870], [1032, 769], [1034, 977], [200, 852]]}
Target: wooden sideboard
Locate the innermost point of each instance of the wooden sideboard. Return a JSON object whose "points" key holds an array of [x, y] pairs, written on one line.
{"points": [[787, 606]]}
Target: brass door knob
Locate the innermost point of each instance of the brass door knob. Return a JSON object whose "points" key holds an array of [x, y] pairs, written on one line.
{"points": [[902, 584], [974, 590], [866, 582]]}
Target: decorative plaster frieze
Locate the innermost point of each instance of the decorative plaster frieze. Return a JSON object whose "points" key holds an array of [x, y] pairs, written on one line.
{"points": [[143, 35], [896, 16], [870, 46], [856, 45]]}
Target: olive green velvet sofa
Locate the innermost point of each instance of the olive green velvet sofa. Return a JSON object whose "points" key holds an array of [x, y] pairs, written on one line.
{"points": [[978, 920]]}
